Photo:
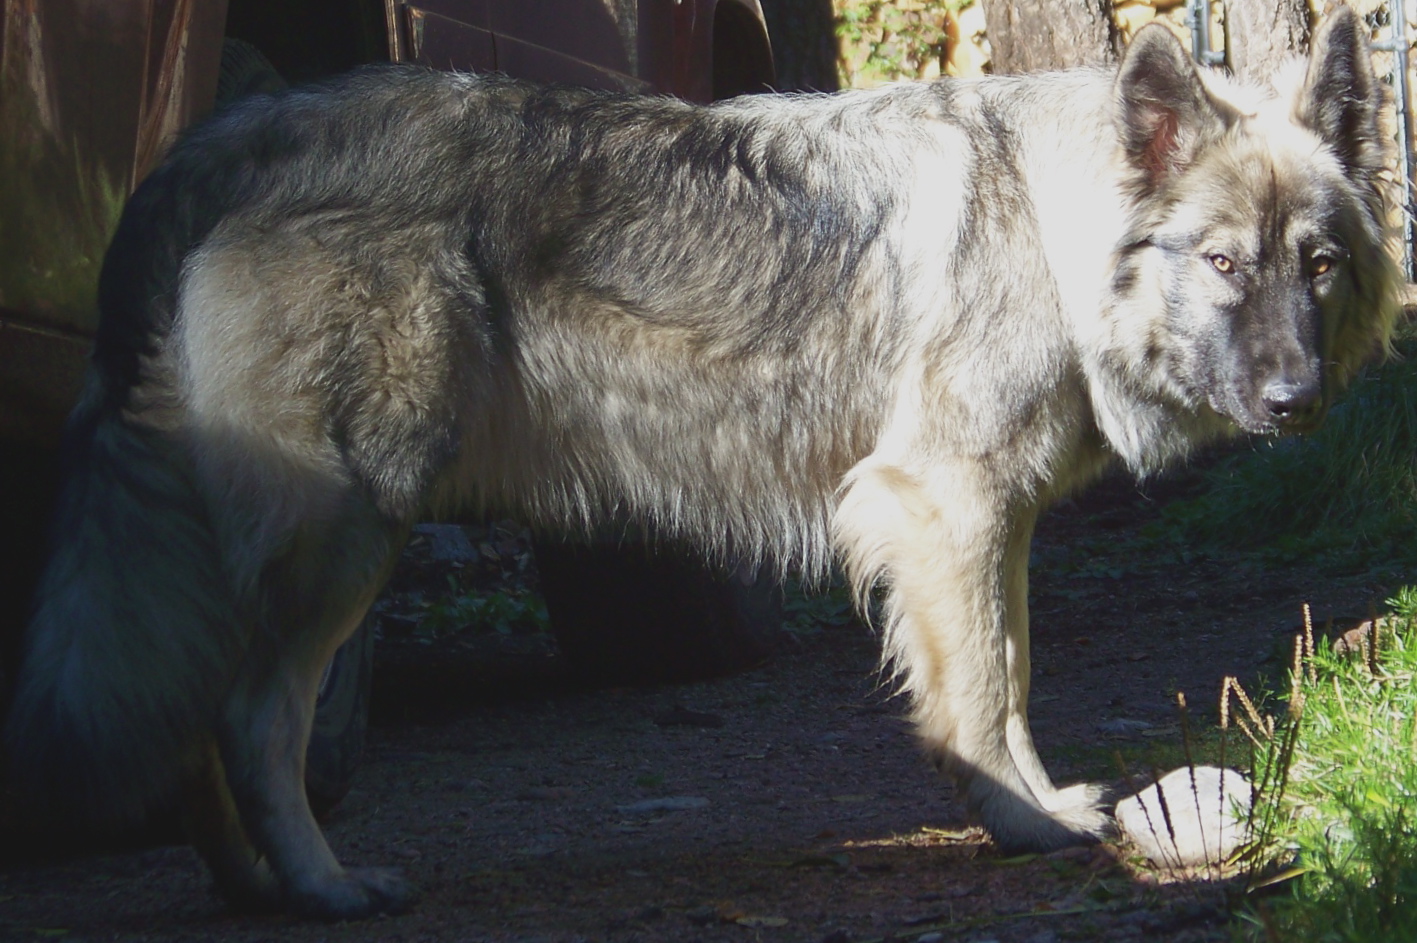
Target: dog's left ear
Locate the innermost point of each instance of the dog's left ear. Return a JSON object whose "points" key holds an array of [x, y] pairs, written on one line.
{"points": [[1341, 97], [1163, 113]]}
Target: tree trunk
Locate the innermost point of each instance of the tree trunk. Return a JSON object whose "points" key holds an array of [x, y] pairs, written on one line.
{"points": [[1044, 35], [803, 34], [1261, 34]]}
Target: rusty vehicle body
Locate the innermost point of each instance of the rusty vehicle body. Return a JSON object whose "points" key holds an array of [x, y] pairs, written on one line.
{"points": [[93, 91]]}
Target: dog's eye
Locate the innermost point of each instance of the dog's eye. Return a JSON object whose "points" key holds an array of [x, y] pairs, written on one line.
{"points": [[1319, 265], [1222, 264]]}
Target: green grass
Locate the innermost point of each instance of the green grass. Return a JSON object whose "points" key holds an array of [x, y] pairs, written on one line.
{"points": [[1338, 803], [1344, 498], [886, 41]]}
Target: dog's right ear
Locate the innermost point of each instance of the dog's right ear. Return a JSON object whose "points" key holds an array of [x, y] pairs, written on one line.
{"points": [[1342, 96], [1163, 114]]}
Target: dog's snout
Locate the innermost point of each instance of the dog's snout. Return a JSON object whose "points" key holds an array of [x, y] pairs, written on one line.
{"points": [[1295, 407]]}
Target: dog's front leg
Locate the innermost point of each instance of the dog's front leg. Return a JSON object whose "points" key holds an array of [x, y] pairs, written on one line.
{"points": [[1077, 806], [953, 551]]}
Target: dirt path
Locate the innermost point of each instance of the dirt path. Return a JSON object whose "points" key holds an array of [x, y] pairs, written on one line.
{"points": [[801, 810]]}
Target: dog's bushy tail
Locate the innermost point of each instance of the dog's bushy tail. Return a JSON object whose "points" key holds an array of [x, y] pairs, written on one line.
{"points": [[132, 640]]}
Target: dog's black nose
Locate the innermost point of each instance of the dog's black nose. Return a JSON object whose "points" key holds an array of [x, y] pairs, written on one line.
{"points": [[1295, 407]]}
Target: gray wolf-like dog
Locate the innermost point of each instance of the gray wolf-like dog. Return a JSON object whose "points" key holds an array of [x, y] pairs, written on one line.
{"points": [[881, 329]]}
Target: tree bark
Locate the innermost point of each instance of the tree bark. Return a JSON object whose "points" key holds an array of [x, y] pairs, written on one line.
{"points": [[1044, 35], [1262, 34]]}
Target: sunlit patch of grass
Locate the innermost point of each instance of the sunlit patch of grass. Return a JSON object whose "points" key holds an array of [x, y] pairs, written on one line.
{"points": [[1337, 799]]}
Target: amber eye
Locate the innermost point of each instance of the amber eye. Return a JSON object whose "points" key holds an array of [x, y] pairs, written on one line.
{"points": [[1319, 265], [1222, 264]]}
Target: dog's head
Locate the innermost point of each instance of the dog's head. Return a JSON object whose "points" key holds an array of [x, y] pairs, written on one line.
{"points": [[1259, 234]]}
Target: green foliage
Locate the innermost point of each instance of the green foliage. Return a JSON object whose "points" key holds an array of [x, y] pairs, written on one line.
{"points": [[1340, 794], [886, 40], [503, 611], [809, 612], [1345, 496], [55, 224]]}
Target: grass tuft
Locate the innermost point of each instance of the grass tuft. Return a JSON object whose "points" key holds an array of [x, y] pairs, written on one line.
{"points": [[1337, 794]]}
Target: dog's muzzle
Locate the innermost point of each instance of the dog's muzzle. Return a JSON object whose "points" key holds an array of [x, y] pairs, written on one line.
{"points": [[1294, 407]]}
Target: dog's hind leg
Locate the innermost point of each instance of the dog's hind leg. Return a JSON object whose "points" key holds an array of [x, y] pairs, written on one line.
{"points": [[213, 826], [319, 400], [948, 545], [314, 598]]}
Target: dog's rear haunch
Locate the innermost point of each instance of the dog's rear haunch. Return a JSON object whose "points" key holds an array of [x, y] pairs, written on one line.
{"points": [[883, 327]]}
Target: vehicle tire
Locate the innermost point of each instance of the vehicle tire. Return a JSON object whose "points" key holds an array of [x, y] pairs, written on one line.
{"points": [[624, 613], [341, 721]]}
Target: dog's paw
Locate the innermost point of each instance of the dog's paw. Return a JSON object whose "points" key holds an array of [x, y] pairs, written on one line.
{"points": [[1045, 832], [1086, 814], [1076, 818], [1083, 798], [357, 893], [387, 888]]}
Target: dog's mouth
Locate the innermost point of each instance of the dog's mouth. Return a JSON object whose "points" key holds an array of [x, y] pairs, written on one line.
{"points": [[1276, 414], [1277, 431], [1263, 422]]}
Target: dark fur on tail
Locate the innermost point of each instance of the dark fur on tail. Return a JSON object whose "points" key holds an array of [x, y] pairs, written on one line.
{"points": [[104, 718], [134, 640]]}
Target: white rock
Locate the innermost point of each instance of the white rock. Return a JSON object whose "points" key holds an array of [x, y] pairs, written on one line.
{"points": [[1204, 827]]}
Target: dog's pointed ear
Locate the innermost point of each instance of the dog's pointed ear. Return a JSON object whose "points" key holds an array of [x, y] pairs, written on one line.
{"points": [[1342, 97], [1163, 114]]}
